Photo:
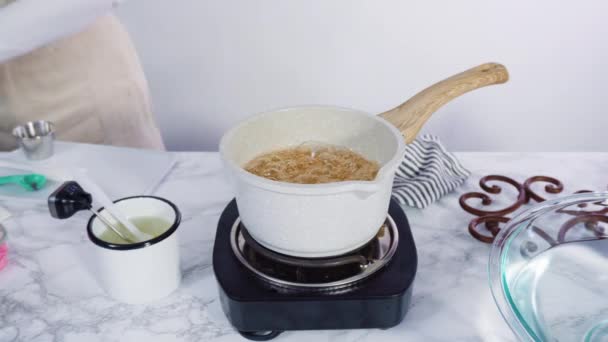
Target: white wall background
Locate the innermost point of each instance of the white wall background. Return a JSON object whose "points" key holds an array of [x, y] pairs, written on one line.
{"points": [[213, 63]]}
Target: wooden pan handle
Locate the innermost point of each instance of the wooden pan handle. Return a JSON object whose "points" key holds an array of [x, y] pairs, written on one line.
{"points": [[410, 116]]}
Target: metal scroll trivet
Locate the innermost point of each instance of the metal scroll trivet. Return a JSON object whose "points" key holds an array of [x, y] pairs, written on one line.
{"points": [[492, 219]]}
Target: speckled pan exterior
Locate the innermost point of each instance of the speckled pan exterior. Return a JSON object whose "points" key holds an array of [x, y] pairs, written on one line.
{"points": [[312, 220]]}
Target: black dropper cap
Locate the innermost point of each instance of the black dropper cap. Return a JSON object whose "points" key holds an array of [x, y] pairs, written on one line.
{"points": [[68, 199]]}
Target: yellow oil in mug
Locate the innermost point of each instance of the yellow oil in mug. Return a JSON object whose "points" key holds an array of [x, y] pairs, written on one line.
{"points": [[151, 225]]}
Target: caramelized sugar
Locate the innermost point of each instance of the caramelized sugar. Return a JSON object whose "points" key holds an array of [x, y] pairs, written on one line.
{"points": [[307, 164]]}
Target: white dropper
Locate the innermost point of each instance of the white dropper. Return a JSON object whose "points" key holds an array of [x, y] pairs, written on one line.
{"points": [[100, 196]]}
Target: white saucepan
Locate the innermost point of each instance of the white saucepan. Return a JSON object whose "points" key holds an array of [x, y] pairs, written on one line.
{"points": [[321, 220]]}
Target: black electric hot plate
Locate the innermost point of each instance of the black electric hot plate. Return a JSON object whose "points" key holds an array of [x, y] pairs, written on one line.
{"points": [[264, 293]]}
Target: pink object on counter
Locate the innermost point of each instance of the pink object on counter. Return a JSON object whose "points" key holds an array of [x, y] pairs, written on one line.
{"points": [[3, 255], [3, 248]]}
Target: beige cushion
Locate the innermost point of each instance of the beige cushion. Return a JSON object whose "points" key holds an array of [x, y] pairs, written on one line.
{"points": [[90, 85]]}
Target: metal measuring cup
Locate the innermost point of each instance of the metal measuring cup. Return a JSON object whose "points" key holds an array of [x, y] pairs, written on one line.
{"points": [[36, 139]]}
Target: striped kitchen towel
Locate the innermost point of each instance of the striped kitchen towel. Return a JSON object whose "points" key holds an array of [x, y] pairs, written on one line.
{"points": [[428, 172]]}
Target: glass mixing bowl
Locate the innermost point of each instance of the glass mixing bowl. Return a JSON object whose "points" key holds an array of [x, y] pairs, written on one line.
{"points": [[549, 270]]}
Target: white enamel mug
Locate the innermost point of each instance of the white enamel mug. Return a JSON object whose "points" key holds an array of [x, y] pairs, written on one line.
{"points": [[144, 271]]}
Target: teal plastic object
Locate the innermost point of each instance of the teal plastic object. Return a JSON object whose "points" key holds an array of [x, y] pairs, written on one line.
{"points": [[30, 182]]}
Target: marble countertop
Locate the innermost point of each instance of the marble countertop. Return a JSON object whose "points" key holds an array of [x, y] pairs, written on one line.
{"points": [[47, 293]]}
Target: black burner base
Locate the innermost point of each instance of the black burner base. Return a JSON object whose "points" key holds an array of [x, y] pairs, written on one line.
{"points": [[254, 309], [260, 335]]}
